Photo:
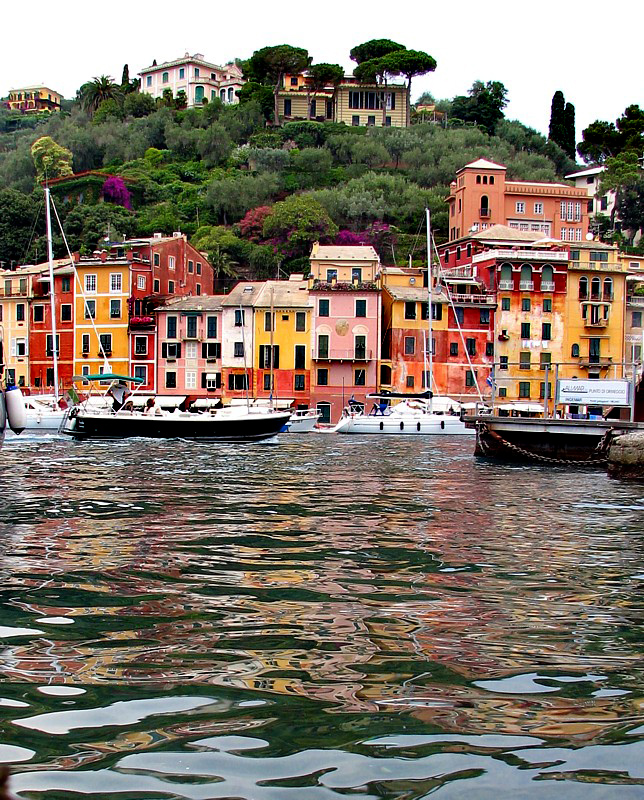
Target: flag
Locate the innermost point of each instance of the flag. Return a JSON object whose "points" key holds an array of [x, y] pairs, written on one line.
{"points": [[490, 382]]}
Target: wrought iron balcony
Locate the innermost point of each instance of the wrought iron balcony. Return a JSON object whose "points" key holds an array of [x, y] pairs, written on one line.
{"points": [[526, 286], [506, 285], [359, 354], [547, 286]]}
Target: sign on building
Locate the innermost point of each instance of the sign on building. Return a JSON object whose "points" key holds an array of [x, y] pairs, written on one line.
{"points": [[594, 393]]}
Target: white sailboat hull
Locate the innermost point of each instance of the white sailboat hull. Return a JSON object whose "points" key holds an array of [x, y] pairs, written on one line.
{"points": [[404, 425]]}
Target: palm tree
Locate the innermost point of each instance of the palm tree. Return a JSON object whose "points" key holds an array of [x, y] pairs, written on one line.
{"points": [[96, 91]]}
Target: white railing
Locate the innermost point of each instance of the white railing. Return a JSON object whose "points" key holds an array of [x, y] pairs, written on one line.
{"points": [[526, 286], [547, 286], [506, 284], [521, 255]]}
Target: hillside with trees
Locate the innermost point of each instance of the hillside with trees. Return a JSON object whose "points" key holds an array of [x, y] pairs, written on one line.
{"points": [[251, 190]]}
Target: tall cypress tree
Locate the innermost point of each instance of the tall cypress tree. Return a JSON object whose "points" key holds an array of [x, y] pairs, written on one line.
{"points": [[125, 77], [570, 144], [557, 129]]}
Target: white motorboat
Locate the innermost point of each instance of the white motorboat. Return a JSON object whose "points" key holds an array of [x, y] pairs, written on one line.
{"points": [[412, 415], [304, 420], [43, 415]]}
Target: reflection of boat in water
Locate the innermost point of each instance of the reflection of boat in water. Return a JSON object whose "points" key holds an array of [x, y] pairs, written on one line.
{"points": [[413, 414], [304, 420], [229, 424]]}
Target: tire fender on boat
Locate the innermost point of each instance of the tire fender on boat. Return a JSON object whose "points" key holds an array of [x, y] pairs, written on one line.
{"points": [[16, 413]]}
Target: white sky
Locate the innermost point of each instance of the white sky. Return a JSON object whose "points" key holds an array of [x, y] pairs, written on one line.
{"points": [[591, 51]]}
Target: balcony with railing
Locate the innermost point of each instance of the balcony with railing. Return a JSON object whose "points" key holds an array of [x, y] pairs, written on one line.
{"points": [[635, 300], [142, 323], [595, 323], [356, 354], [484, 213], [506, 285], [547, 286], [526, 286], [473, 299]]}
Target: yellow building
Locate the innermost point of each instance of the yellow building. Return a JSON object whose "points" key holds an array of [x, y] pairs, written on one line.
{"points": [[351, 102], [595, 312], [633, 324], [101, 314], [16, 289], [282, 341], [32, 99]]}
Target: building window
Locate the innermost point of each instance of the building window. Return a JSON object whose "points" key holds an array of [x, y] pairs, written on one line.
{"points": [[299, 383], [39, 313], [140, 282], [239, 317], [191, 327], [356, 275], [360, 377], [66, 312], [525, 304], [164, 77], [538, 208], [90, 284], [325, 411], [331, 275], [505, 304], [470, 346], [157, 285], [323, 377], [85, 343], [115, 309], [148, 80], [300, 356], [211, 327], [361, 308], [171, 328], [410, 382], [323, 308], [66, 284], [470, 378], [437, 310], [90, 309], [323, 345], [210, 350], [156, 259], [410, 310], [237, 381], [453, 348], [489, 349], [191, 350], [503, 392], [171, 380], [268, 382], [300, 321], [545, 359], [524, 360], [524, 389], [287, 108], [355, 120], [525, 330], [191, 266], [239, 350], [268, 321], [410, 345], [140, 345], [574, 351], [170, 287], [116, 282], [547, 305], [546, 331], [459, 313], [106, 343], [636, 321], [503, 362], [484, 316], [198, 289], [371, 121], [198, 267]]}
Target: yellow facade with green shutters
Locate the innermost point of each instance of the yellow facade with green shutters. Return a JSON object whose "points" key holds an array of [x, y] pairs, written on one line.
{"points": [[101, 314]]}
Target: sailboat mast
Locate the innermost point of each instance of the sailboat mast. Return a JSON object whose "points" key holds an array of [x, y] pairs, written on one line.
{"points": [[430, 310], [52, 297]]}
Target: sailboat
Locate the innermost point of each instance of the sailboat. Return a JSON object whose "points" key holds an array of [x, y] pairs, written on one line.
{"points": [[45, 415], [406, 414]]}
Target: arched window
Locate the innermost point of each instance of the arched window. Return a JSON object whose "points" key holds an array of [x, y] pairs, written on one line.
{"points": [[458, 254], [469, 250], [385, 374], [506, 277], [608, 288], [547, 278], [485, 206], [525, 281], [198, 94], [231, 95], [595, 286], [574, 351], [491, 179], [478, 178], [583, 288], [485, 179], [222, 95], [164, 77]]}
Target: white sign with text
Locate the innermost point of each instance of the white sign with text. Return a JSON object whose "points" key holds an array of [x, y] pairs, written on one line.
{"points": [[594, 393]]}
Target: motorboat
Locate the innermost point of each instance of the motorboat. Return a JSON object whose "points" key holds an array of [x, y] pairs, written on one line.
{"points": [[43, 415], [304, 420], [228, 424], [410, 415]]}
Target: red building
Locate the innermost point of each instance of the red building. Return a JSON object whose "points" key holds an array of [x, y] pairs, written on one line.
{"points": [[41, 342]]}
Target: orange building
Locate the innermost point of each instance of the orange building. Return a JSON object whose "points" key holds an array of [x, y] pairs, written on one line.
{"points": [[481, 196]]}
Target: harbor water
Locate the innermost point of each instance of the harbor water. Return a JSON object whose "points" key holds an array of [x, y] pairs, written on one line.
{"points": [[317, 617]]}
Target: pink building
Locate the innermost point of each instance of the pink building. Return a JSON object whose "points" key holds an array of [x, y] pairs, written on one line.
{"points": [[199, 79], [345, 294], [189, 347]]}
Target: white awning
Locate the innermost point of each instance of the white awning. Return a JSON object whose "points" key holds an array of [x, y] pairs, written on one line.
{"points": [[211, 376]]}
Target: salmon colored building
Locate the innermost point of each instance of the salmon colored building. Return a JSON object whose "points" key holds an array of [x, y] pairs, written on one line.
{"points": [[344, 288], [482, 196]]}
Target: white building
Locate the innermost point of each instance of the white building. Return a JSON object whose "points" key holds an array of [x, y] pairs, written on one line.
{"points": [[199, 79], [590, 179]]}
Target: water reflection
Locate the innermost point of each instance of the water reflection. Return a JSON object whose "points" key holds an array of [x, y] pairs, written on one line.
{"points": [[322, 616]]}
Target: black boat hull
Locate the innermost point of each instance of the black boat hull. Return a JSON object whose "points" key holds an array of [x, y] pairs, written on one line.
{"points": [[199, 427]]}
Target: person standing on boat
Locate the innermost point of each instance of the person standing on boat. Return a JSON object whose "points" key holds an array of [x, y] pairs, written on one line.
{"points": [[118, 392]]}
